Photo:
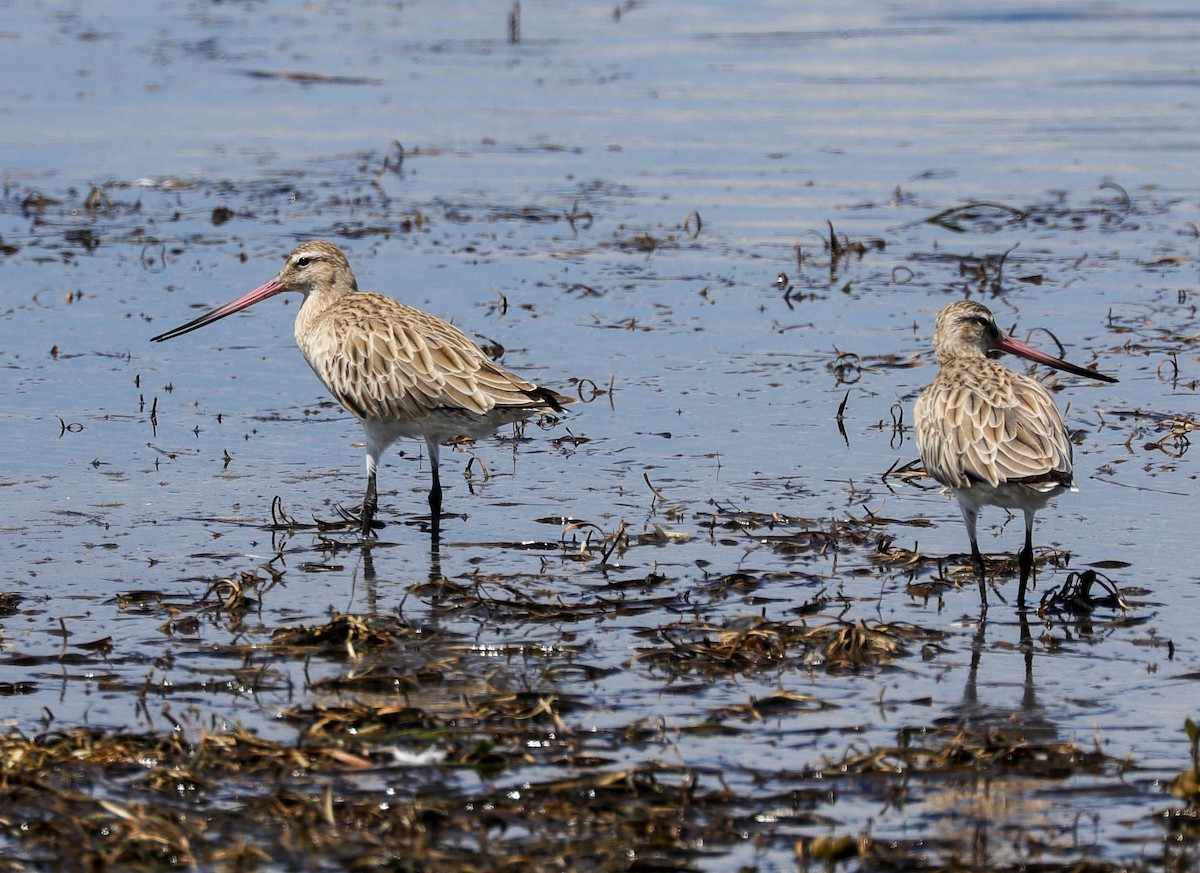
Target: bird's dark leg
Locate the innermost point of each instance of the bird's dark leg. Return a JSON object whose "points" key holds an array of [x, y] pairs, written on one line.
{"points": [[970, 516], [435, 496], [981, 571], [1025, 558], [435, 491], [370, 503]]}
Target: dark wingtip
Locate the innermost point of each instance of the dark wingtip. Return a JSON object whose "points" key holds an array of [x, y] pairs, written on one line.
{"points": [[552, 399]]}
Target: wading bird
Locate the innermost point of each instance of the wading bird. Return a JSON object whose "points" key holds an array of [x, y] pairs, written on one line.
{"points": [[400, 371], [992, 436]]}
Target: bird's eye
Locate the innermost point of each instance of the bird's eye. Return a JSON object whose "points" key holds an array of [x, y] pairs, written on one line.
{"points": [[303, 262]]}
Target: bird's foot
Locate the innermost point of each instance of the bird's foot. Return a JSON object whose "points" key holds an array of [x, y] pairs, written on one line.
{"points": [[349, 520]]}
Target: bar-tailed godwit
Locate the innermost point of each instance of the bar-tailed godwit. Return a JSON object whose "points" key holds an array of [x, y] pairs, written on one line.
{"points": [[992, 436], [400, 371]]}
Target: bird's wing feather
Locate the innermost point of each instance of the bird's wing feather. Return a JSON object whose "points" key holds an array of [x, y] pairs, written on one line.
{"points": [[980, 421], [382, 359]]}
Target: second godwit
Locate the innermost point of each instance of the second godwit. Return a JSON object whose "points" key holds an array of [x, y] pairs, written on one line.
{"points": [[992, 436], [400, 371]]}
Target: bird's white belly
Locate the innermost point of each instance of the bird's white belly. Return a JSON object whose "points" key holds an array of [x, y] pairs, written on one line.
{"points": [[440, 425], [1008, 495]]}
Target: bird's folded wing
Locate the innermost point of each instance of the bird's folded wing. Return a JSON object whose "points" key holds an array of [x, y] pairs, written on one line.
{"points": [[401, 362], [1000, 429]]}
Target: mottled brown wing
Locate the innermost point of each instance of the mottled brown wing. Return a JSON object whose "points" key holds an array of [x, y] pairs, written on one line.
{"points": [[382, 359], [982, 422]]}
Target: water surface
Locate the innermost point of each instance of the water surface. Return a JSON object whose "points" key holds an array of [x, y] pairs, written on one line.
{"points": [[610, 199]]}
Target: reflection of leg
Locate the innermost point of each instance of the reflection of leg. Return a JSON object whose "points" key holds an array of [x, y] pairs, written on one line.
{"points": [[435, 561], [371, 589], [370, 499], [435, 492], [1029, 698], [1025, 559], [970, 691], [970, 516]]}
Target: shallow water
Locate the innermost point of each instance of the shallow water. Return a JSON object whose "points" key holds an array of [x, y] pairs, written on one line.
{"points": [[610, 199]]}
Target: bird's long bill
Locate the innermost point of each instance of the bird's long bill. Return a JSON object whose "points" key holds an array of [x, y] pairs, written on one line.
{"points": [[1016, 347], [262, 292]]}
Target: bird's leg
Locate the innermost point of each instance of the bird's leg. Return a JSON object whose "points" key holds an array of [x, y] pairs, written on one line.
{"points": [[435, 490], [969, 517], [435, 495], [981, 571], [1025, 558], [370, 500]]}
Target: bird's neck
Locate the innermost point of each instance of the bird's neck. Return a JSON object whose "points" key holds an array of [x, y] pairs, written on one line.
{"points": [[967, 356], [316, 304]]}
